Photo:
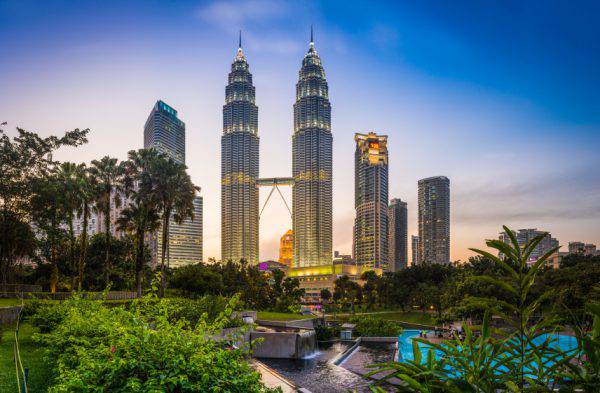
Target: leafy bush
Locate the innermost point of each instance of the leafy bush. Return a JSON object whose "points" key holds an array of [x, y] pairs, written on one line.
{"points": [[45, 316], [375, 327], [327, 333], [143, 348]]}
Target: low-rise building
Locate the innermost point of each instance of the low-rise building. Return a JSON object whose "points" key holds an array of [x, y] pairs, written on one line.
{"points": [[313, 279]]}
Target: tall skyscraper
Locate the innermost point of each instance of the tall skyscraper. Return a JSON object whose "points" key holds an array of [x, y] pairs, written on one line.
{"points": [[286, 248], [416, 249], [398, 234], [239, 165], [165, 132], [371, 200], [312, 165], [434, 219]]}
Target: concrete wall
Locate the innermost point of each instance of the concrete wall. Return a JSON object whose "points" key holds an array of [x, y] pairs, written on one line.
{"points": [[286, 345], [274, 345], [9, 314]]}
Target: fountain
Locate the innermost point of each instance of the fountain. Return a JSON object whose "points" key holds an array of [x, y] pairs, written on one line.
{"points": [[295, 344]]}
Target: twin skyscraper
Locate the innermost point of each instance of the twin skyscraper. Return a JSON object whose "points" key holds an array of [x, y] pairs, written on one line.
{"points": [[311, 166]]}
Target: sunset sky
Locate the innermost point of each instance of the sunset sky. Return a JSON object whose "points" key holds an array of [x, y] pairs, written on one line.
{"points": [[503, 98]]}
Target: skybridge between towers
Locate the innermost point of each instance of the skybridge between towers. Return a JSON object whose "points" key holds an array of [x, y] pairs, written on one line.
{"points": [[275, 183]]}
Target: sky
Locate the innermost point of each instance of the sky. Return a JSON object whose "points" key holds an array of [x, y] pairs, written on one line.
{"points": [[502, 98]]}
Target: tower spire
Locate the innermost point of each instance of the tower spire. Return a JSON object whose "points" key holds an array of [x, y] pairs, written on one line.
{"points": [[240, 40], [312, 41]]}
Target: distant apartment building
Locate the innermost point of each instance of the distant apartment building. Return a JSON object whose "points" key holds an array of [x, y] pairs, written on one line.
{"points": [[415, 248], [165, 132], [525, 235], [286, 248], [434, 220], [397, 235], [371, 201], [578, 247]]}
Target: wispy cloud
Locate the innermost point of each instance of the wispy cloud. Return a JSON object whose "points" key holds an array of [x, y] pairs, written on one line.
{"points": [[238, 13], [571, 195]]}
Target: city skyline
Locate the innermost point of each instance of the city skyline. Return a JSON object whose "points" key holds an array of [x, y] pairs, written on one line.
{"points": [[405, 96]]}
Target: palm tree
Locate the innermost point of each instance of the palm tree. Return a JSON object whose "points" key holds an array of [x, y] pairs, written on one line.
{"points": [[142, 213], [175, 193], [137, 219], [106, 176], [68, 174], [86, 196]]}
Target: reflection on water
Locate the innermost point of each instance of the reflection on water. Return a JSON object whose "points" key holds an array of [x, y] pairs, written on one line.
{"points": [[317, 373], [369, 353]]}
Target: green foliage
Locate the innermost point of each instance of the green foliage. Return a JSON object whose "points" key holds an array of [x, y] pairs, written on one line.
{"points": [[24, 160], [585, 375], [512, 359], [259, 290], [45, 316], [149, 347], [327, 333], [367, 326]]}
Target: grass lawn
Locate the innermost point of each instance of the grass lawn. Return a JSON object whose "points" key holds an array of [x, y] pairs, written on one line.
{"points": [[31, 356], [9, 302], [399, 316], [280, 316], [408, 316]]}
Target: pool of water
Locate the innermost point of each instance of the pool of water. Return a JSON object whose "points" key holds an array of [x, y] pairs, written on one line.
{"points": [[369, 353], [317, 374], [405, 352]]}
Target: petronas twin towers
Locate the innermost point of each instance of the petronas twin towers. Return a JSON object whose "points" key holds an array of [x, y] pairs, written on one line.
{"points": [[311, 167]]}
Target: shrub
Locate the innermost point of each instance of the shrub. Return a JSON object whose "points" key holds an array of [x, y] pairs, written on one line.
{"points": [[375, 327], [327, 333], [44, 315], [143, 349]]}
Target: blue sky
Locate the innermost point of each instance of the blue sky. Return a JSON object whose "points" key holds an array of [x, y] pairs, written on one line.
{"points": [[501, 97]]}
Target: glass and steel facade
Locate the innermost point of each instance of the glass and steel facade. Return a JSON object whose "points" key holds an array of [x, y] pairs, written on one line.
{"points": [[239, 166], [398, 235], [312, 166], [434, 220], [165, 132], [416, 249], [370, 240]]}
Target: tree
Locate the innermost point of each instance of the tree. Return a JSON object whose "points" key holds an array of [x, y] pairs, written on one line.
{"points": [[46, 214], [141, 215], [122, 274], [24, 160], [175, 194], [68, 177], [106, 177], [370, 287], [86, 196]]}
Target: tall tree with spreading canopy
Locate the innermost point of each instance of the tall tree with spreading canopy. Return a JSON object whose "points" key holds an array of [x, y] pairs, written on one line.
{"points": [[24, 159]]}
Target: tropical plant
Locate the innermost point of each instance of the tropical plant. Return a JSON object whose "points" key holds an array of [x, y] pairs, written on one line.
{"points": [[535, 359], [68, 177], [141, 215], [175, 193], [106, 176], [521, 357], [86, 196], [584, 375]]}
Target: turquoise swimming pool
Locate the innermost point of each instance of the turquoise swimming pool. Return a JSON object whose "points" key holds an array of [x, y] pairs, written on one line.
{"points": [[405, 351]]}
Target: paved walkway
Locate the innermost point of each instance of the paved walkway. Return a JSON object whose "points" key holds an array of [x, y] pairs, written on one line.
{"points": [[272, 378]]}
